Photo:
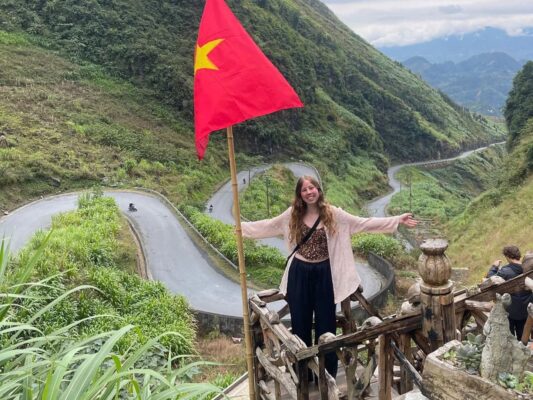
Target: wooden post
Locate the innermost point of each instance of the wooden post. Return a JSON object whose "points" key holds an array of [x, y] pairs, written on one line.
{"points": [[242, 267], [322, 383], [385, 367], [436, 293], [346, 309], [303, 382], [406, 383]]}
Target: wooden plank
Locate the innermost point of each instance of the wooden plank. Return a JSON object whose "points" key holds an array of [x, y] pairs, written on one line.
{"points": [[480, 317], [357, 295], [479, 305], [448, 318], [277, 374], [278, 329], [421, 341], [401, 324], [349, 324], [527, 330], [409, 369], [284, 311], [489, 294]]}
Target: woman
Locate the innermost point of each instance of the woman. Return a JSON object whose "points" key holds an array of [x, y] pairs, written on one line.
{"points": [[322, 272]]}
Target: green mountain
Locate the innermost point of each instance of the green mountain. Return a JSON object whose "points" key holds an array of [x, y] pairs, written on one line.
{"points": [[480, 83], [502, 215], [118, 74]]}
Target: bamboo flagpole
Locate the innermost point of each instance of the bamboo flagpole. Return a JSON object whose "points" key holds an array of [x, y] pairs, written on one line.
{"points": [[233, 82], [242, 266]]}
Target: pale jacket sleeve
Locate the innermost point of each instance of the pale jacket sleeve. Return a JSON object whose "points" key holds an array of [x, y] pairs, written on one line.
{"points": [[372, 225], [267, 227]]}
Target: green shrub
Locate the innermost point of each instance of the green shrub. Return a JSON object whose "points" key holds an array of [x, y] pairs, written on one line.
{"points": [[265, 264], [59, 365], [382, 245]]}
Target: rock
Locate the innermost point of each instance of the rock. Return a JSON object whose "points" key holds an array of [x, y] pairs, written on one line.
{"points": [[502, 351], [3, 142], [55, 181], [326, 337], [412, 395]]}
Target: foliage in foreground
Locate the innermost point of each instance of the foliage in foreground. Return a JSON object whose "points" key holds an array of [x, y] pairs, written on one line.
{"points": [[56, 365], [84, 250]]}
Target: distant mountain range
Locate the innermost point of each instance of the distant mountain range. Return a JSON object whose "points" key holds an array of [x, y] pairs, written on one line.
{"points": [[480, 83], [459, 48]]}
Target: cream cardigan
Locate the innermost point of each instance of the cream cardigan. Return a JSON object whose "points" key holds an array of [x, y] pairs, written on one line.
{"points": [[343, 271]]}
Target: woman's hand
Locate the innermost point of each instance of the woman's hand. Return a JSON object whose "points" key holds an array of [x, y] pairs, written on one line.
{"points": [[408, 220]]}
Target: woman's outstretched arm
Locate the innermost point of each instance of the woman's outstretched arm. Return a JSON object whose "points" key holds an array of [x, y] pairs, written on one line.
{"points": [[267, 227], [374, 224]]}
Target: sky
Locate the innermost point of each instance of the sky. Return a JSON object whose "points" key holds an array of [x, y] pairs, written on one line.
{"points": [[402, 22]]}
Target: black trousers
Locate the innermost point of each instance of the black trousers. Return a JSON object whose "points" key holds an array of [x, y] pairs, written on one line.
{"points": [[310, 291], [516, 326]]}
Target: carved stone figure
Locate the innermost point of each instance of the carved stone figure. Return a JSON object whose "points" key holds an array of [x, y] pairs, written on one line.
{"points": [[370, 322], [413, 294], [502, 352], [412, 305]]}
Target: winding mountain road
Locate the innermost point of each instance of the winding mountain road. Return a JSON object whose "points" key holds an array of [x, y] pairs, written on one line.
{"points": [[378, 207], [171, 255], [173, 258]]}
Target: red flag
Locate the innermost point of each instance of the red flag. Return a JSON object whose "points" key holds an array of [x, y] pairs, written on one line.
{"points": [[233, 79]]}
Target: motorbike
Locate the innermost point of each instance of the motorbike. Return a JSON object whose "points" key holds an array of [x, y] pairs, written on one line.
{"points": [[132, 207]]}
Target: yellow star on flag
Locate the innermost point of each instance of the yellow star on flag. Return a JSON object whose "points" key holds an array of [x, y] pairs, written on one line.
{"points": [[201, 60]]}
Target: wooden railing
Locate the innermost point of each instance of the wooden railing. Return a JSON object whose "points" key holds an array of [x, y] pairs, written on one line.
{"points": [[282, 360]]}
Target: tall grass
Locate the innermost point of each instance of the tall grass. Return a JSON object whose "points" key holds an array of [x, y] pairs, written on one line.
{"points": [[53, 365], [494, 220]]}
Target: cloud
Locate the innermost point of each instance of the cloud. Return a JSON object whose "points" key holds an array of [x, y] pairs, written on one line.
{"points": [[402, 22], [450, 9]]}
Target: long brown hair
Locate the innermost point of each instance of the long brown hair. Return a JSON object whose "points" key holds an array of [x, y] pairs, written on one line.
{"points": [[299, 206]]}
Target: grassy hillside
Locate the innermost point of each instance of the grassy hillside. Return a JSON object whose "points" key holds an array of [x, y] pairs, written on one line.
{"points": [[442, 193], [356, 99], [502, 215], [68, 125]]}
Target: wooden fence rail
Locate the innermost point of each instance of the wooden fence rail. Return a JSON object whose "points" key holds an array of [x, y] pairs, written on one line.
{"points": [[282, 360]]}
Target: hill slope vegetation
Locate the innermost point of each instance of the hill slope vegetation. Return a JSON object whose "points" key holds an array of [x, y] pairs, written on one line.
{"points": [[352, 92], [502, 215], [105, 87]]}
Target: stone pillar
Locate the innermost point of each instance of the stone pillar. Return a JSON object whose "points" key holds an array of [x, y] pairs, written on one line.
{"points": [[436, 293]]}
